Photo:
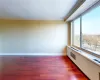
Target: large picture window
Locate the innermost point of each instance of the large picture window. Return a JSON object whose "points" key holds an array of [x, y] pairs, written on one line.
{"points": [[88, 30], [91, 30]]}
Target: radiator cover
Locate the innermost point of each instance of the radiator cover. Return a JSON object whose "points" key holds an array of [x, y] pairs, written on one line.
{"points": [[90, 69]]}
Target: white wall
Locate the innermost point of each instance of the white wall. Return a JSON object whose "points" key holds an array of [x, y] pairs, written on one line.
{"points": [[33, 37]]}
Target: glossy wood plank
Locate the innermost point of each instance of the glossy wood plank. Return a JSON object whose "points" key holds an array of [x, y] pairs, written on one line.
{"points": [[39, 68]]}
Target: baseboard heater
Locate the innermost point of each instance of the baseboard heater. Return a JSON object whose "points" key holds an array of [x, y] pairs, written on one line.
{"points": [[87, 63], [73, 55]]}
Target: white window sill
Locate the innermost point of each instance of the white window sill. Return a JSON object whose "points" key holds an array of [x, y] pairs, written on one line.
{"points": [[93, 52]]}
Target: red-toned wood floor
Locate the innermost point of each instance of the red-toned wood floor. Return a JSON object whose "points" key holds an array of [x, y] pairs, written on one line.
{"points": [[39, 68]]}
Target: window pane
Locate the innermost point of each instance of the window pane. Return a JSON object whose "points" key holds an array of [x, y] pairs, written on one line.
{"points": [[77, 32], [91, 30]]}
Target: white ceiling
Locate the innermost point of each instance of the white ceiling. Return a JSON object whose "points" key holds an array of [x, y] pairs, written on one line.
{"points": [[35, 9]]}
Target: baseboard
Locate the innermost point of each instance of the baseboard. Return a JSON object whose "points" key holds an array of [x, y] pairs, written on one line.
{"points": [[35, 54]]}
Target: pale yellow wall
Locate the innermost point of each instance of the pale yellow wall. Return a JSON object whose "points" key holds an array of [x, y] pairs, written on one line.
{"points": [[33, 37], [69, 33]]}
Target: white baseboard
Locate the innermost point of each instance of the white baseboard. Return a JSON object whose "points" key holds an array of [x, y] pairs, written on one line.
{"points": [[35, 54]]}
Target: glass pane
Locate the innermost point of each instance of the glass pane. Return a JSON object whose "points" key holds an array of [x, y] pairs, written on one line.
{"points": [[91, 30], [77, 32]]}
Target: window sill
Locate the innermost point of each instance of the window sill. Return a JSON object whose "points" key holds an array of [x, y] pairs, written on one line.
{"points": [[94, 53]]}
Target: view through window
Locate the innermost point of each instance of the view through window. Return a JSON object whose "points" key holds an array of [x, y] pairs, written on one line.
{"points": [[91, 30]]}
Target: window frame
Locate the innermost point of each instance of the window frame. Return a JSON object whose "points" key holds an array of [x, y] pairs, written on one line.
{"points": [[72, 30]]}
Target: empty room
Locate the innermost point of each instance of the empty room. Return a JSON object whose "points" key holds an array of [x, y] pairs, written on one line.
{"points": [[49, 39]]}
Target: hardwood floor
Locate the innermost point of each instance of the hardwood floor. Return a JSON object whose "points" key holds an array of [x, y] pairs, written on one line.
{"points": [[39, 68]]}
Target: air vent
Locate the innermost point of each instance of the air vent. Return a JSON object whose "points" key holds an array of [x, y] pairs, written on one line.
{"points": [[96, 60], [73, 55]]}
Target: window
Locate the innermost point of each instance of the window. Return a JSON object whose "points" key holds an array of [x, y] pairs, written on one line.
{"points": [[91, 30], [86, 31], [76, 32]]}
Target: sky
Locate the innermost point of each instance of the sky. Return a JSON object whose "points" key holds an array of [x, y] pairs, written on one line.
{"points": [[90, 22]]}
